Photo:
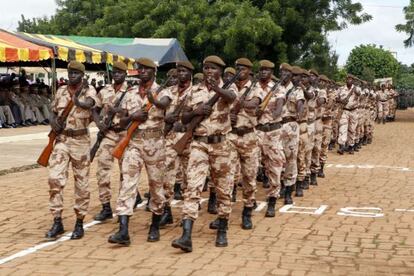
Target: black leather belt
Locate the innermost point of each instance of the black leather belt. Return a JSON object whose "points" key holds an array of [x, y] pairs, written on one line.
{"points": [[212, 139], [310, 121], [240, 131], [149, 133], [269, 126], [117, 129], [349, 109], [74, 132], [288, 120]]}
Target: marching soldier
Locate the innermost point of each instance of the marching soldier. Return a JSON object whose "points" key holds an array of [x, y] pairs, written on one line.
{"points": [[208, 150], [72, 146], [108, 97], [146, 148], [174, 162]]}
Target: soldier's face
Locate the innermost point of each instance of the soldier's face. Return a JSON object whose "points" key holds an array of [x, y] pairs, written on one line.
{"points": [[118, 75], [265, 73], [349, 82], [285, 76], [296, 79], [173, 80], [305, 80], [146, 73], [227, 76], [244, 72], [314, 80], [183, 74], [74, 77], [211, 70]]}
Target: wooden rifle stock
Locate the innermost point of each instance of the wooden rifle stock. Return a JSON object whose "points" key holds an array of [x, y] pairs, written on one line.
{"points": [[168, 127], [268, 96], [182, 143], [119, 149], [237, 108], [43, 159]]}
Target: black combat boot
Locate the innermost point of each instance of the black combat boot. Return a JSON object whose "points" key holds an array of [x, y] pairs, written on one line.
{"points": [[305, 183], [331, 145], [122, 236], [299, 189], [177, 192], [221, 238], [356, 147], [351, 149], [288, 195], [154, 231], [184, 242], [321, 173], [214, 224], [167, 217], [365, 141], [282, 189], [147, 206], [313, 179], [106, 212], [138, 200], [247, 218], [57, 229], [341, 149], [205, 187], [260, 173], [234, 194], [271, 212], [212, 203], [265, 182], [78, 231]]}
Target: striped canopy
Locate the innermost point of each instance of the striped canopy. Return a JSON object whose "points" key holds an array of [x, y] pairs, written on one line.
{"points": [[15, 49], [67, 50]]}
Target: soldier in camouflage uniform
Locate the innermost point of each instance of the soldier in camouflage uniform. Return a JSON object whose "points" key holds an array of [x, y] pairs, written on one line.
{"points": [[108, 97], [383, 107], [146, 148], [209, 150], [180, 93], [71, 146]]}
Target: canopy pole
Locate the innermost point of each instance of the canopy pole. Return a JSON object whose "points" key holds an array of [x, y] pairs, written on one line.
{"points": [[108, 78], [53, 76]]}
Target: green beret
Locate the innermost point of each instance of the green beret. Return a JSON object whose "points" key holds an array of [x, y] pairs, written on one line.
{"points": [[76, 65], [172, 72], [285, 66], [306, 72], [296, 70], [266, 63], [120, 65], [214, 59], [324, 78], [244, 62], [147, 62], [185, 64], [230, 70], [313, 71]]}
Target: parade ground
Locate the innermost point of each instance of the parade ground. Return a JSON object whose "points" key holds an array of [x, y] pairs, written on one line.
{"points": [[359, 220]]}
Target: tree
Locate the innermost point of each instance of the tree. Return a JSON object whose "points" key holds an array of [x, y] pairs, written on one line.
{"points": [[408, 27], [367, 61], [283, 31]]}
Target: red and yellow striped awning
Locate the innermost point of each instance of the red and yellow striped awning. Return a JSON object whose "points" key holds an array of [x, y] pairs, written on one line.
{"points": [[15, 49]]}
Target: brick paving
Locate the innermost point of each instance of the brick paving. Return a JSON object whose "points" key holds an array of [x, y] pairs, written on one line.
{"points": [[289, 244]]}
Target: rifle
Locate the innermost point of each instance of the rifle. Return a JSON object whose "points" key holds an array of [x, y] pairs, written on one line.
{"points": [[108, 123], [168, 127], [182, 143], [243, 97], [43, 159], [268, 96], [119, 149], [346, 100]]}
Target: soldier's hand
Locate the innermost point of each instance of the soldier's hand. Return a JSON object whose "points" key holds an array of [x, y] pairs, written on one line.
{"points": [[203, 110], [102, 127], [170, 118], [56, 125], [212, 83], [233, 119], [140, 115], [259, 112]]}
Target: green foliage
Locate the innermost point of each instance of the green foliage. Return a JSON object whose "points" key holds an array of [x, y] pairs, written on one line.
{"points": [[368, 62], [408, 27], [280, 30]]}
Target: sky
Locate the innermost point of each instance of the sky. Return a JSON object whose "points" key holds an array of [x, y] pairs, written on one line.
{"points": [[380, 30]]}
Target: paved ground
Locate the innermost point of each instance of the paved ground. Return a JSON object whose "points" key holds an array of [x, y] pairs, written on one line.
{"points": [[379, 241]]}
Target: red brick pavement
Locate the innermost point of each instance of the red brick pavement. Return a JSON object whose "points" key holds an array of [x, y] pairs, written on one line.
{"points": [[289, 244]]}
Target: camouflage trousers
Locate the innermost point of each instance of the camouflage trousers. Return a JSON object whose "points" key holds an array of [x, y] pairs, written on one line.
{"points": [[392, 103], [273, 158], [75, 151], [326, 139], [335, 124], [383, 110], [317, 145], [140, 153], [175, 165], [205, 157], [105, 163], [303, 146], [372, 114], [6, 115], [290, 142], [311, 133], [244, 157], [347, 128]]}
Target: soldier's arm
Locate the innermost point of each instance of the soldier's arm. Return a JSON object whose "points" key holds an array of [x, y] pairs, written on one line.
{"points": [[277, 112], [300, 108], [251, 105]]}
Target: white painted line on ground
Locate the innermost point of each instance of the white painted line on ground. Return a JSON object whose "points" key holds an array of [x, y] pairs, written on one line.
{"points": [[368, 167], [404, 210], [33, 136], [358, 212], [35, 248], [290, 208]]}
